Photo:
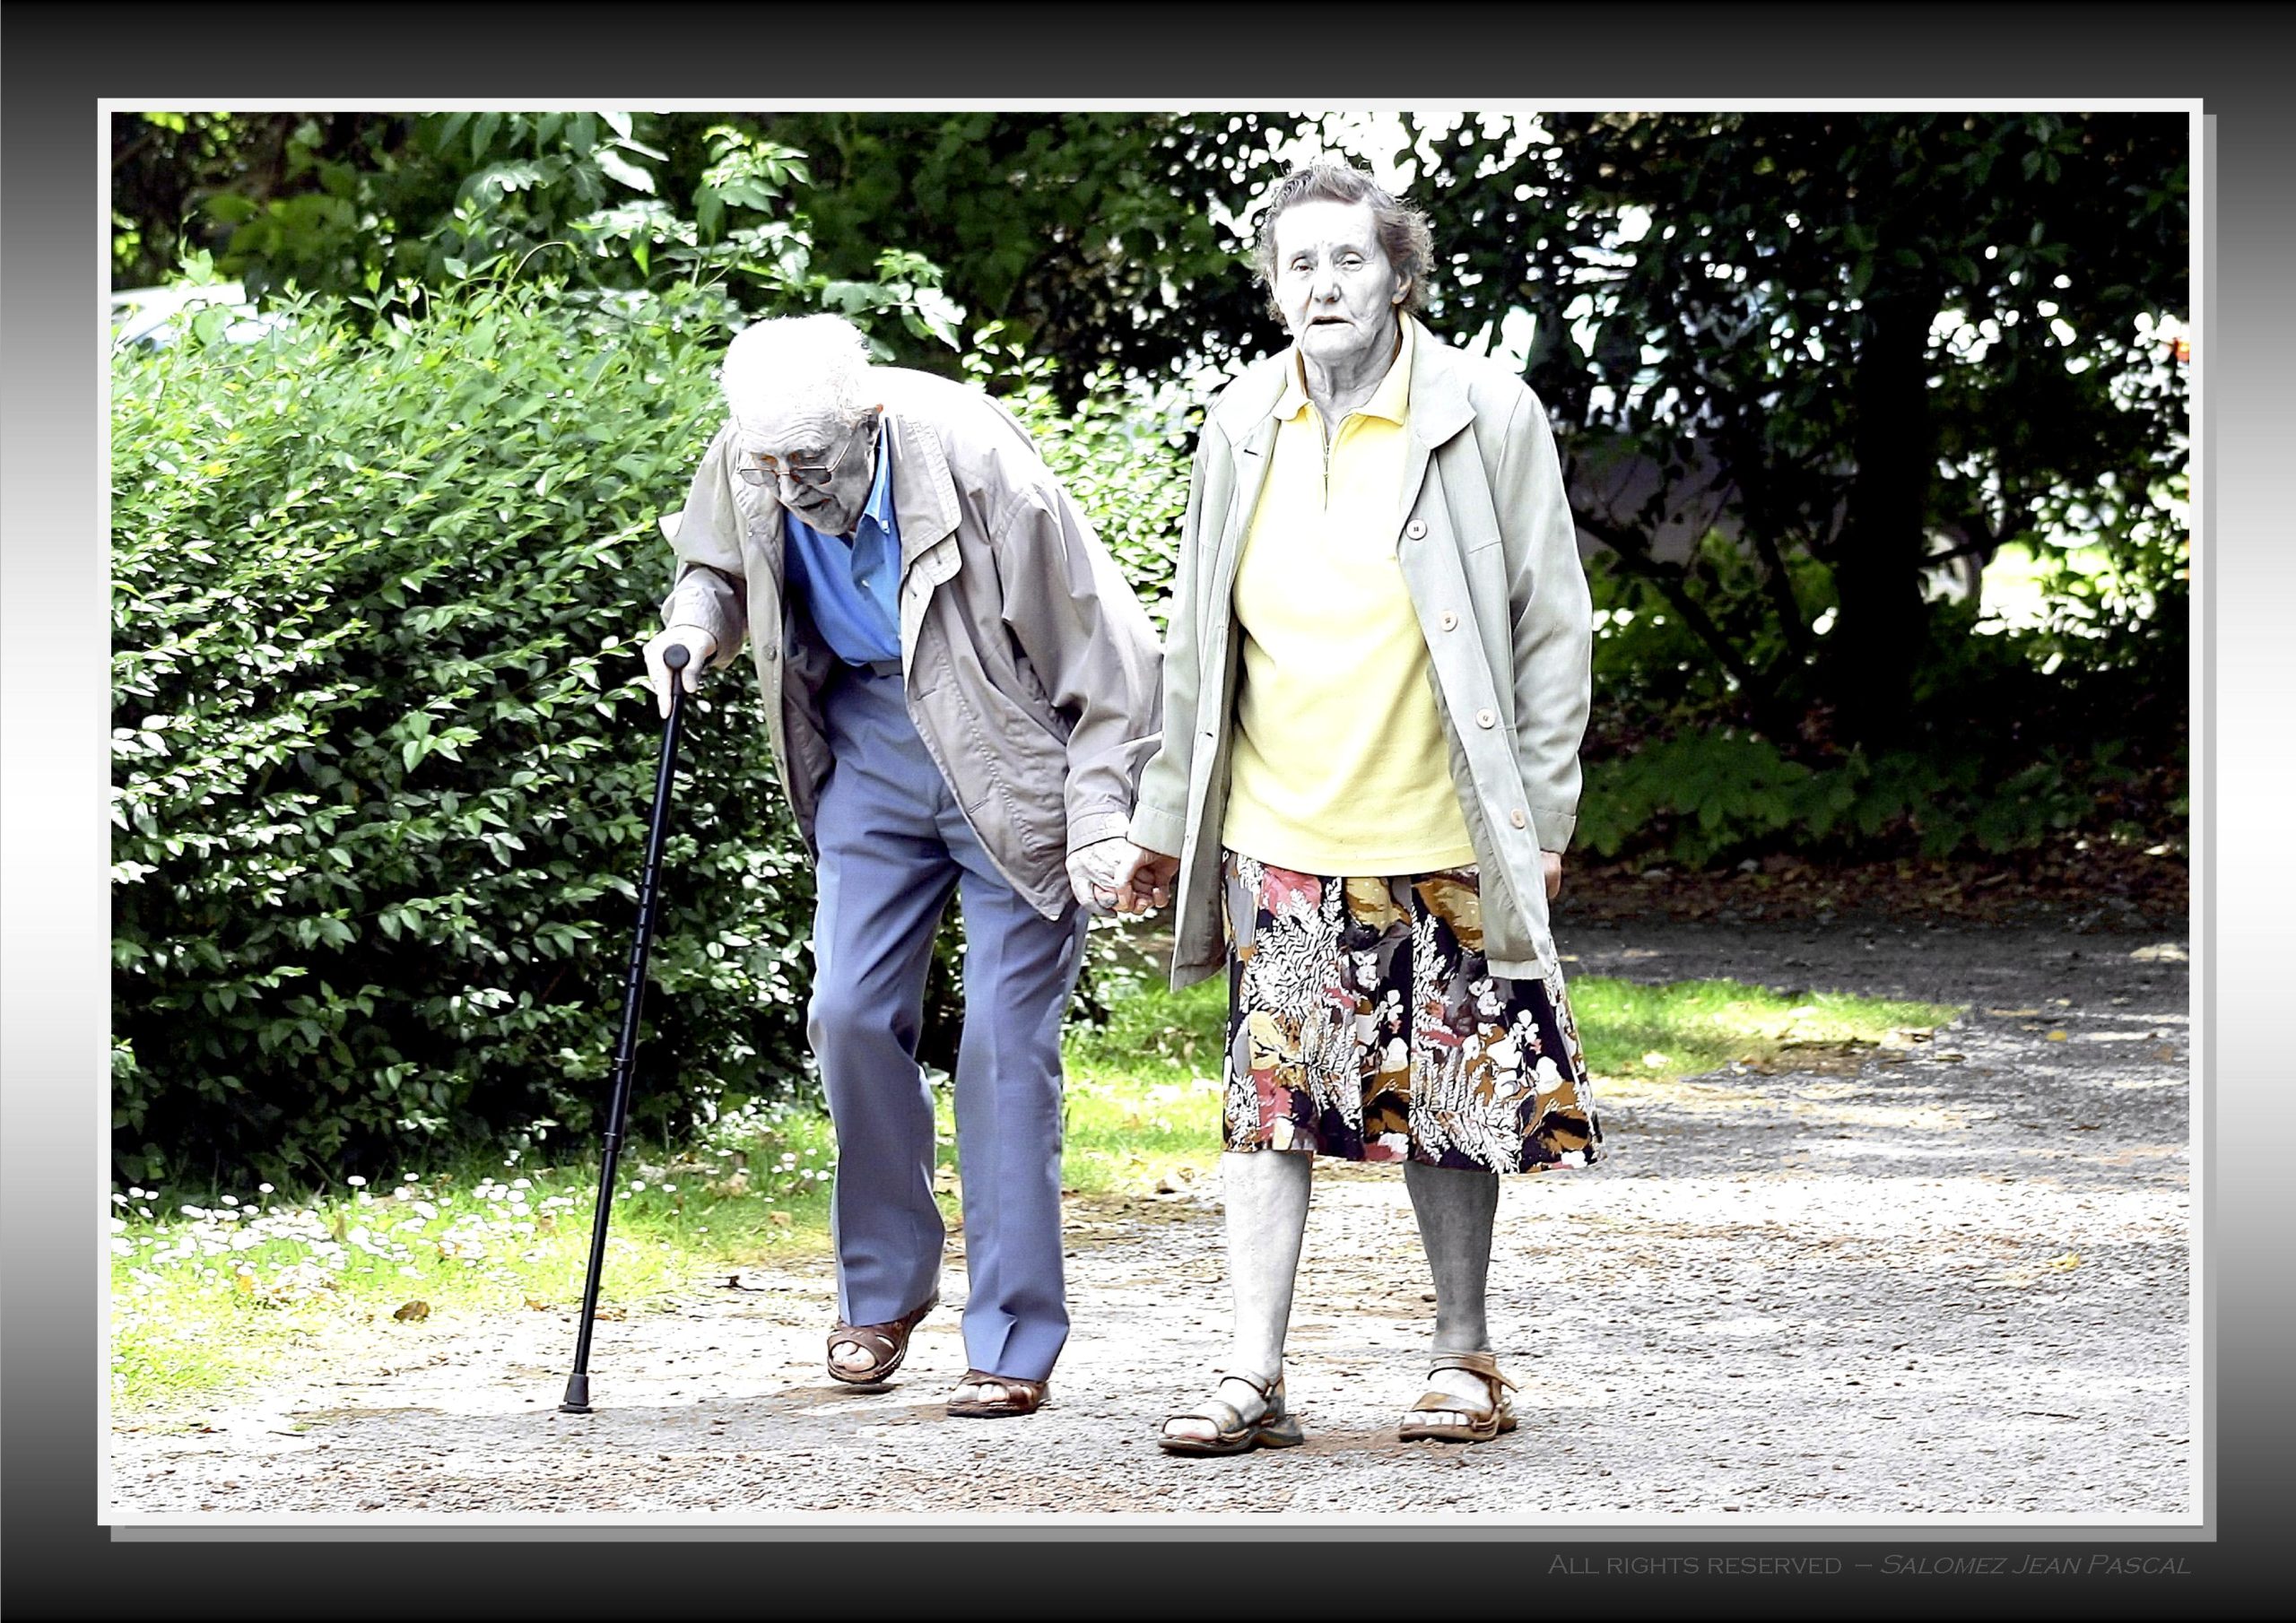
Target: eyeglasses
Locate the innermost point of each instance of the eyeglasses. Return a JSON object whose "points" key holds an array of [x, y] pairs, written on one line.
{"points": [[768, 470]]}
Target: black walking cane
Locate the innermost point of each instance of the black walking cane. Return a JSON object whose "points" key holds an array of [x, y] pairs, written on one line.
{"points": [[625, 1054]]}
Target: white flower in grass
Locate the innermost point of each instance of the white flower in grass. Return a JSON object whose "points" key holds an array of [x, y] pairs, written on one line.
{"points": [[355, 1180]]}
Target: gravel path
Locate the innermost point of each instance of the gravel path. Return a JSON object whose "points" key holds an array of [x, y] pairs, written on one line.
{"points": [[1950, 1279]]}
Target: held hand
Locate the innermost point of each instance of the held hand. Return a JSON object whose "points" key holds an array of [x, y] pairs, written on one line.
{"points": [[698, 646], [1146, 879], [1551, 864], [1093, 872]]}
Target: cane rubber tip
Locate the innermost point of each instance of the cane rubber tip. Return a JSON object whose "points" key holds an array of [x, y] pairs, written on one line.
{"points": [[578, 1396], [675, 655]]}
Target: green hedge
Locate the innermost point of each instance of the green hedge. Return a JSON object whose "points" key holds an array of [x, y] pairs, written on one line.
{"points": [[1701, 797], [381, 760]]}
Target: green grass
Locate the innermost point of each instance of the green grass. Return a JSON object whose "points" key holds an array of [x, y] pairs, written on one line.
{"points": [[1144, 1090], [210, 1296], [1666, 1032]]}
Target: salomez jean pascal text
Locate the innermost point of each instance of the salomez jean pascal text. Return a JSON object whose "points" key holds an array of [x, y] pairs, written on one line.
{"points": [[2021, 1564]]}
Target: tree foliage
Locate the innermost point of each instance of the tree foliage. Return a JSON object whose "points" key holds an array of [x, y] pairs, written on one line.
{"points": [[1084, 235], [1885, 338]]}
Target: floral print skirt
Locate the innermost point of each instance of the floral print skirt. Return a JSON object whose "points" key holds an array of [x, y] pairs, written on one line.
{"points": [[1364, 1022]]}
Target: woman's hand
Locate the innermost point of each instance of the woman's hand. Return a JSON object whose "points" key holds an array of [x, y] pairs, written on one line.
{"points": [[1551, 865], [1143, 880]]}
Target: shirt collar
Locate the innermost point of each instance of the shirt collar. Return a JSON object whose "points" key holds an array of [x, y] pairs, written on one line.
{"points": [[1391, 400], [879, 508]]}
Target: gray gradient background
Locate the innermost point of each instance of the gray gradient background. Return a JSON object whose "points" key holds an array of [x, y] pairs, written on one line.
{"points": [[54, 839]]}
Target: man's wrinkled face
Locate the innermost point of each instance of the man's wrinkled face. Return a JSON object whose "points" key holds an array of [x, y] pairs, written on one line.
{"points": [[1333, 283], [794, 445]]}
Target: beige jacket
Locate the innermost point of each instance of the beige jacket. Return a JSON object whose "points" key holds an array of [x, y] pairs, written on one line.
{"points": [[1489, 555], [1030, 668]]}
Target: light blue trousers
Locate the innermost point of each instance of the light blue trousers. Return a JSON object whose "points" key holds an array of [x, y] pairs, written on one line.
{"points": [[893, 845]]}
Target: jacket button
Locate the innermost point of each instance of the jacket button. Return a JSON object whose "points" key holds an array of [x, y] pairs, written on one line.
{"points": [[1449, 621], [1416, 528], [1484, 719], [1516, 818]]}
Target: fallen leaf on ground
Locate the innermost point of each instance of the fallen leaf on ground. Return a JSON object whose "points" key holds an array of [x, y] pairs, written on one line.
{"points": [[2071, 1258], [413, 1310], [2058, 1037]]}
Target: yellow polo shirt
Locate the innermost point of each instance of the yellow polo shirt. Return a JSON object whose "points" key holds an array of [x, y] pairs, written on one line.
{"points": [[1339, 764]]}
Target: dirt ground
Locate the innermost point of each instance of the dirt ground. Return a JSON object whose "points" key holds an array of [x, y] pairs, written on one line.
{"points": [[1948, 1278]]}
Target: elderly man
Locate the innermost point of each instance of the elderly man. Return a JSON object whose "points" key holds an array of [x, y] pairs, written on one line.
{"points": [[960, 691]]}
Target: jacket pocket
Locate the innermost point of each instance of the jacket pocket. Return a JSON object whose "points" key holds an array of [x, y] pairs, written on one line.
{"points": [[1019, 775], [1038, 791]]}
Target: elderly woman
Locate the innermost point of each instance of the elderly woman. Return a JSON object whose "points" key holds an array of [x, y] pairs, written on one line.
{"points": [[1375, 683]]}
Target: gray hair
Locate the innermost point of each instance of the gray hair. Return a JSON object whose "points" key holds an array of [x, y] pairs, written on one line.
{"points": [[1402, 229], [797, 360]]}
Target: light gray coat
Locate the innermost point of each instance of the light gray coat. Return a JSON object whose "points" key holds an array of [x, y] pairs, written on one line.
{"points": [[1489, 554], [1030, 669]]}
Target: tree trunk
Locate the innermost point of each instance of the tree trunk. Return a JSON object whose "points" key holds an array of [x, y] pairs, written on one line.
{"points": [[1877, 566]]}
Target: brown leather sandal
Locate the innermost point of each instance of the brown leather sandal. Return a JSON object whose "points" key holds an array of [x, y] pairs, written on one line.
{"points": [[1021, 1397], [1274, 1427], [887, 1345], [1497, 1416]]}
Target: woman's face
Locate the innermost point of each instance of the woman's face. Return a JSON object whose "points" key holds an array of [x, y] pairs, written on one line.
{"points": [[1333, 282]]}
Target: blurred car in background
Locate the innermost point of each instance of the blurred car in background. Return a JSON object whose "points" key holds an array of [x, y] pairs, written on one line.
{"points": [[150, 316]]}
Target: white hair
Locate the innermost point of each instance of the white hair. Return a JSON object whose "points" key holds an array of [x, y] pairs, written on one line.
{"points": [[772, 366]]}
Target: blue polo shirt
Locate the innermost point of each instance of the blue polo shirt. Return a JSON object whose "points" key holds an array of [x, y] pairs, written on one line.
{"points": [[851, 587]]}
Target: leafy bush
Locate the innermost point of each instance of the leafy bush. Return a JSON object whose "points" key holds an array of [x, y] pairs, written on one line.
{"points": [[2016, 736], [1701, 796], [382, 761]]}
